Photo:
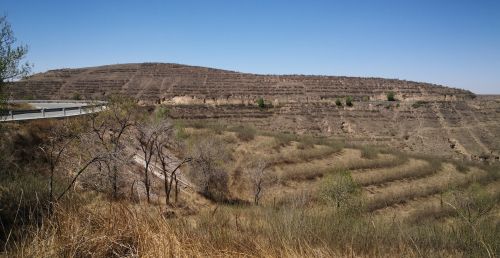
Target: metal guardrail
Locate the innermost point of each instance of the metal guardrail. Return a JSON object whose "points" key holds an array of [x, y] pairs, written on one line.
{"points": [[56, 101], [41, 113]]}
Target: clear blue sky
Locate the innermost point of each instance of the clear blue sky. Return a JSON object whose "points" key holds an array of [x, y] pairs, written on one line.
{"points": [[455, 43]]}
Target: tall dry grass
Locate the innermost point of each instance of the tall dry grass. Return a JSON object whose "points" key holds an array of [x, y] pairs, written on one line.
{"points": [[311, 171], [377, 177], [103, 229], [400, 193], [438, 206], [396, 160], [302, 155]]}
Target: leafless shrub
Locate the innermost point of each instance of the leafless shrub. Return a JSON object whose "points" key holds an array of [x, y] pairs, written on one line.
{"points": [[206, 168], [260, 177], [54, 148], [66, 140]]}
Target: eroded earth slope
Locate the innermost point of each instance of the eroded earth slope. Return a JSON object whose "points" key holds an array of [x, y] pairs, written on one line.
{"points": [[427, 118]]}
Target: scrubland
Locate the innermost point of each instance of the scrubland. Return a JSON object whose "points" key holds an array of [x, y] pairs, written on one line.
{"points": [[249, 192]]}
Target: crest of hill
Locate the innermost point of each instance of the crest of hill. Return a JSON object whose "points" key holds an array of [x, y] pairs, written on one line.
{"points": [[160, 82]]}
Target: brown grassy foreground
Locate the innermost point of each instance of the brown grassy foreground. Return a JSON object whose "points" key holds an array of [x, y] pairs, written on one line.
{"points": [[321, 200], [102, 229]]}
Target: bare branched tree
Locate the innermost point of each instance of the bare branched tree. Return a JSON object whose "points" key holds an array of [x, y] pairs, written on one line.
{"points": [[109, 128], [146, 138], [150, 132], [93, 160], [172, 177], [66, 141], [58, 141], [259, 177], [169, 174], [165, 161]]}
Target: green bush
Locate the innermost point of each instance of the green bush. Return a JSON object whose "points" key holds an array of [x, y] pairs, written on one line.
{"points": [[418, 104], [76, 96], [338, 102], [391, 96], [261, 103], [339, 188], [348, 101]]}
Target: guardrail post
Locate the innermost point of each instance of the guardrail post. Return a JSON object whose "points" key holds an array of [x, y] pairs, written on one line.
{"points": [[43, 112], [11, 114], [80, 109], [64, 111]]}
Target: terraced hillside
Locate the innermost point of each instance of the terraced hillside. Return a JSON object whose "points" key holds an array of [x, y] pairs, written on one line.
{"points": [[426, 118], [189, 84], [302, 174], [247, 192], [392, 184]]}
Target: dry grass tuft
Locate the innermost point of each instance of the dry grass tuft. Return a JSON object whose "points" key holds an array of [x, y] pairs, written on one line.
{"points": [[369, 152]]}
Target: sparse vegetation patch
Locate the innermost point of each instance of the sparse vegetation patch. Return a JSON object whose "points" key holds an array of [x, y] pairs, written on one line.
{"points": [[349, 101], [391, 96]]}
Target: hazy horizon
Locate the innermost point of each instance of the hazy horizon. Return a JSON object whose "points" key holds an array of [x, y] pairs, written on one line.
{"points": [[451, 43]]}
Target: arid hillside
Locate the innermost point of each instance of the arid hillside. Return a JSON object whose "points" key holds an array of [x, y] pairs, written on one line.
{"points": [[191, 84], [424, 118], [246, 192]]}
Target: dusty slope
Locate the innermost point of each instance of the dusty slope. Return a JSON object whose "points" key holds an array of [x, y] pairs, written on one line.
{"points": [[427, 118], [181, 83]]}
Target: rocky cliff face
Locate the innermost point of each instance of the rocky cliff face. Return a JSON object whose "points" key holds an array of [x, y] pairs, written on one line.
{"points": [[426, 118]]}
